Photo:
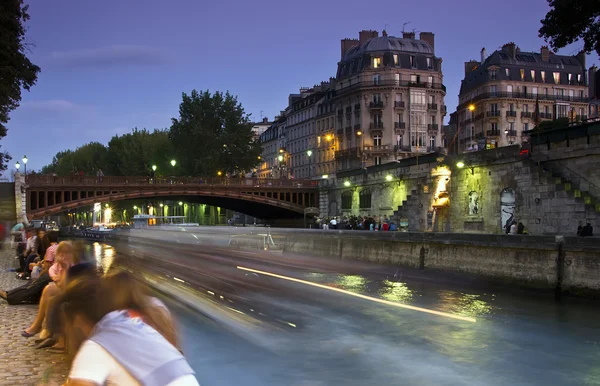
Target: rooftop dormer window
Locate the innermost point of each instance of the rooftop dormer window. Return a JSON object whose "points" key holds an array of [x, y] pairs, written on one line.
{"points": [[413, 62], [429, 64], [396, 59], [376, 62]]}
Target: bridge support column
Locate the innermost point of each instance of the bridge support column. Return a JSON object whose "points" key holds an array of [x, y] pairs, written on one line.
{"points": [[323, 203], [21, 198]]}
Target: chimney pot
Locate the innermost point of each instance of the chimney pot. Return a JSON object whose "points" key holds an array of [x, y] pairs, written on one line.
{"points": [[428, 37], [545, 52]]}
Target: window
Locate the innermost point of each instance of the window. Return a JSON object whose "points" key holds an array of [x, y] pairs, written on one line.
{"points": [[431, 99], [556, 76], [413, 62], [397, 79], [432, 143], [546, 110], [377, 140], [364, 197], [414, 78], [534, 90], [522, 72], [346, 200], [581, 94], [377, 160], [579, 78], [493, 89], [376, 62], [494, 126], [418, 97], [398, 140], [562, 111], [571, 93], [543, 73], [433, 119], [507, 73], [581, 113], [492, 74], [429, 64], [570, 77], [396, 59], [430, 80], [533, 75], [376, 79], [494, 107], [376, 98], [525, 126], [509, 88], [526, 108], [511, 107], [511, 126]]}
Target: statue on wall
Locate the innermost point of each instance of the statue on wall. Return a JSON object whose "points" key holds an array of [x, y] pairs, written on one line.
{"points": [[473, 203], [507, 207]]}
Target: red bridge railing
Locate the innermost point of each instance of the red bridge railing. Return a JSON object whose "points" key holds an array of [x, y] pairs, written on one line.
{"points": [[126, 181]]}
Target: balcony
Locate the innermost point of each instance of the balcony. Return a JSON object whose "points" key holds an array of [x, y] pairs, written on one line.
{"points": [[521, 95], [352, 152], [376, 126], [545, 115], [492, 113], [399, 125], [376, 105], [387, 83], [511, 133], [432, 127], [402, 149], [526, 114], [377, 149], [432, 106], [511, 113], [493, 133], [399, 104]]}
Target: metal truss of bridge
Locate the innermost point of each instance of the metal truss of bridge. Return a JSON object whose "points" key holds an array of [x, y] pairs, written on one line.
{"points": [[48, 195]]}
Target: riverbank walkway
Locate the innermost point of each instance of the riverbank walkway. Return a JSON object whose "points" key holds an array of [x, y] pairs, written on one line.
{"points": [[20, 362]]}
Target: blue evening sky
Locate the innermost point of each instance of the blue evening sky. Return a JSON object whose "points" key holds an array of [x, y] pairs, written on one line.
{"points": [[111, 65]]}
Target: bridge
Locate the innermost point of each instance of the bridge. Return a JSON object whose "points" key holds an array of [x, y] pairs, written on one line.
{"points": [[47, 195]]}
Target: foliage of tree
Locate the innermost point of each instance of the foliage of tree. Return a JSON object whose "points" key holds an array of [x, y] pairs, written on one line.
{"points": [[16, 70], [571, 20], [213, 133], [87, 158], [134, 154]]}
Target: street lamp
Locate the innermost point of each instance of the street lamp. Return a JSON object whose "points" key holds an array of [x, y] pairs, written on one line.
{"points": [[17, 165], [389, 178], [153, 168], [362, 148], [25, 163], [309, 154], [173, 162]]}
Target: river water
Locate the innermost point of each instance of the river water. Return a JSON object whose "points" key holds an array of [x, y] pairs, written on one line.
{"points": [[519, 338]]}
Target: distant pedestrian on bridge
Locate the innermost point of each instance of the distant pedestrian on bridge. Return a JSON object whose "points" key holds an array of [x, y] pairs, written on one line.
{"points": [[99, 174]]}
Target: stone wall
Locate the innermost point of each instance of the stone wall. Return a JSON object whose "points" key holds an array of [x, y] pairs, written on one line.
{"points": [[20, 198], [491, 188]]}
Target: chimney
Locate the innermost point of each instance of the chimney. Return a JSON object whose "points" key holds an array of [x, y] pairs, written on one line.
{"points": [[581, 58], [408, 35], [510, 48], [429, 38], [592, 79], [347, 44], [265, 120], [483, 55], [470, 65], [364, 36], [545, 52]]}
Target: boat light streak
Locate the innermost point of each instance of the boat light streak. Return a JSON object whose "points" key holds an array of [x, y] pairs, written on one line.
{"points": [[382, 301]]}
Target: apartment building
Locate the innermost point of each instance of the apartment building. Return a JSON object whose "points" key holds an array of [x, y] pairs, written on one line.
{"points": [[326, 142], [389, 99], [498, 94], [260, 127], [272, 140]]}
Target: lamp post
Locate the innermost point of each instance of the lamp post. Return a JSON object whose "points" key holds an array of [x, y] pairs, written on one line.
{"points": [[154, 174], [280, 159], [25, 163], [17, 165], [309, 154], [362, 149]]}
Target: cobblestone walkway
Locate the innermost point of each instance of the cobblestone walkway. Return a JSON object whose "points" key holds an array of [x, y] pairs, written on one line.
{"points": [[20, 362]]}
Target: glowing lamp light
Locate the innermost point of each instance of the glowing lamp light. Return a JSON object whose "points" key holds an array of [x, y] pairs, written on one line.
{"points": [[325, 176], [347, 183], [460, 164], [359, 133], [161, 205], [154, 168], [389, 177], [280, 158], [17, 165], [329, 137], [219, 173], [309, 153], [180, 203], [173, 162], [471, 107]]}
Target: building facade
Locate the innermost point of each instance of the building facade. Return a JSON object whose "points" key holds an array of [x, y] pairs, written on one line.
{"points": [[389, 99], [326, 142], [260, 127], [498, 95]]}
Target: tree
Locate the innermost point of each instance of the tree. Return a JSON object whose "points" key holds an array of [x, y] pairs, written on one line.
{"points": [[571, 20], [16, 70], [87, 158], [134, 154], [213, 133]]}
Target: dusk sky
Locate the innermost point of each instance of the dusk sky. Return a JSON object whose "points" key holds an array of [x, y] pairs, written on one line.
{"points": [[109, 66]]}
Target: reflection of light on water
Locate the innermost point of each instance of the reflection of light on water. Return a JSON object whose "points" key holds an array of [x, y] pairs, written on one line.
{"points": [[464, 304], [104, 255], [98, 253], [396, 292], [353, 283], [315, 275]]}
